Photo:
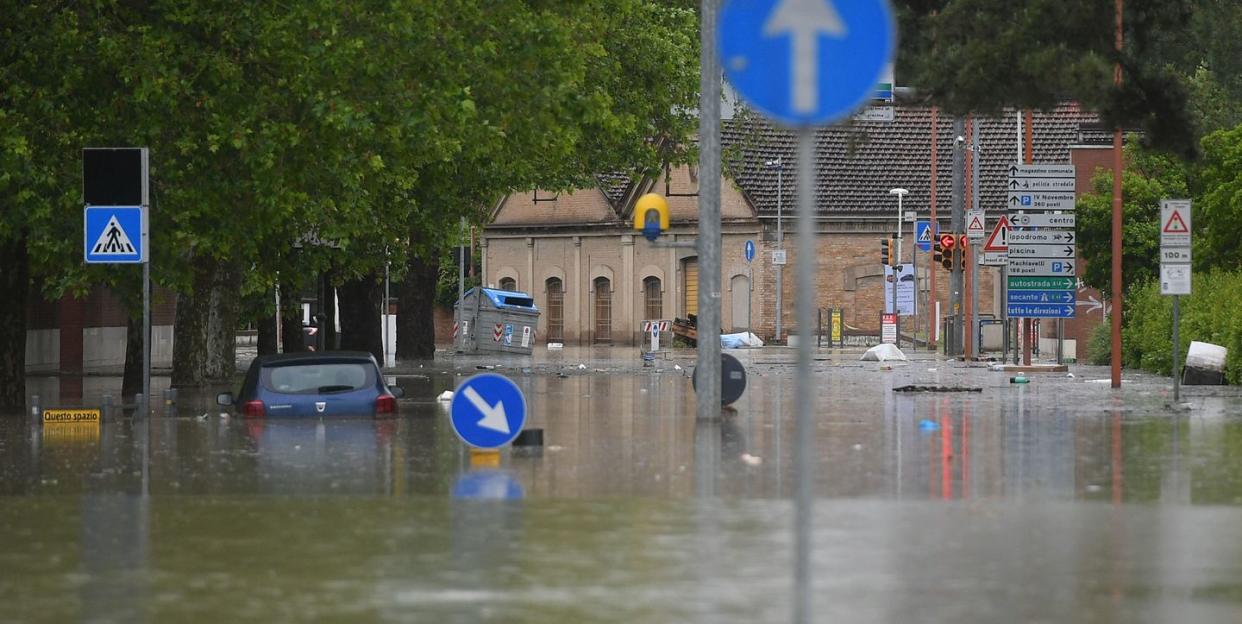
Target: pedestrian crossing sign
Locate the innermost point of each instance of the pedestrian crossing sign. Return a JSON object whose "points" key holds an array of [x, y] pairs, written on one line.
{"points": [[115, 235]]}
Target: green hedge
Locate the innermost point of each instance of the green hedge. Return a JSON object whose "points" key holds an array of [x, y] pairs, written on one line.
{"points": [[1213, 313]]}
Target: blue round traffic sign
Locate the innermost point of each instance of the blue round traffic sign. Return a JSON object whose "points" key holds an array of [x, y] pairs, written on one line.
{"points": [[806, 62], [750, 250], [488, 411]]}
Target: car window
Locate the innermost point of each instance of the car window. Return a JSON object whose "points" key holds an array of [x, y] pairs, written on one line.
{"points": [[318, 378]]}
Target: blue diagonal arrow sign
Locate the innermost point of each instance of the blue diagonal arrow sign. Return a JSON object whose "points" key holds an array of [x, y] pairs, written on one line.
{"points": [[806, 62], [488, 410]]}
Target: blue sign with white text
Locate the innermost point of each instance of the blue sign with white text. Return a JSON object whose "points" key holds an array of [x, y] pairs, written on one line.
{"points": [[750, 250], [488, 411], [113, 235], [806, 62], [1031, 310], [923, 235], [1042, 296]]}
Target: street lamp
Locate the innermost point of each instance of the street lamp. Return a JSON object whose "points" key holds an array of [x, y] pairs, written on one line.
{"points": [[900, 193], [779, 165]]}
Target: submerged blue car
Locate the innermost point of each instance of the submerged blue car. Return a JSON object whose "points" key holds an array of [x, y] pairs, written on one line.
{"points": [[338, 383]]}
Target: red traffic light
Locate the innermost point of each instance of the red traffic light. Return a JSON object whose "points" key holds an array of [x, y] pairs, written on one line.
{"points": [[947, 241]]}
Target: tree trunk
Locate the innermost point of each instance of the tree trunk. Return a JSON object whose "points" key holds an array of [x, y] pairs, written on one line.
{"points": [[131, 379], [327, 311], [361, 328], [190, 329], [267, 334], [225, 309], [416, 325], [291, 334], [15, 283]]}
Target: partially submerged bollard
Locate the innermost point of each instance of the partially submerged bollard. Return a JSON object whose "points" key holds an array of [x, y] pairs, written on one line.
{"points": [[35, 410]]}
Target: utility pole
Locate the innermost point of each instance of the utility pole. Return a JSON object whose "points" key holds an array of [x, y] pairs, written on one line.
{"points": [[958, 225], [707, 370], [976, 247]]}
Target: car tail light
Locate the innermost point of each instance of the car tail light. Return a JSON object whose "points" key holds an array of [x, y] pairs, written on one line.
{"points": [[253, 409], [386, 404]]}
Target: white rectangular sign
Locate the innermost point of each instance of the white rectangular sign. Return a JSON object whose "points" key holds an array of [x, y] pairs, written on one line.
{"points": [[1029, 250], [1040, 200], [1022, 185], [1175, 279], [876, 114], [976, 227], [778, 256], [1047, 237], [995, 258], [1042, 220], [1175, 255], [1041, 171], [1041, 266], [1175, 223], [905, 289]]}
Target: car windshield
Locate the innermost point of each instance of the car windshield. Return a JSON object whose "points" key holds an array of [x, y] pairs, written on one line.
{"points": [[316, 378]]}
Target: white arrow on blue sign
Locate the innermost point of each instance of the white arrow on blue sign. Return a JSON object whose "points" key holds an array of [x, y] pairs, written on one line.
{"points": [[114, 235], [1040, 311], [750, 250], [806, 62], [488, 411]]}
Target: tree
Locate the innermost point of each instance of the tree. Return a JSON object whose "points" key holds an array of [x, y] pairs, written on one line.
{"points": [[1218, 201], [1148, 178]]}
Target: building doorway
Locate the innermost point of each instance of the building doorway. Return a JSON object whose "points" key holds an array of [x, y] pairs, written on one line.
{"points": [[740, 287], [603, 311], [556, 309], [690, 294]]}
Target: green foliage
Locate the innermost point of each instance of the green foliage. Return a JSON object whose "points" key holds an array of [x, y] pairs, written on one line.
{"points": [[1149, 177], [1207, 315], [1218, 203], [1100, 344]]}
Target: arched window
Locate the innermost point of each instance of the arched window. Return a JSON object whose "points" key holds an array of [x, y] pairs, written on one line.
{"points": [[653, 299], [603, 310], [508, 283], [556, 309]]}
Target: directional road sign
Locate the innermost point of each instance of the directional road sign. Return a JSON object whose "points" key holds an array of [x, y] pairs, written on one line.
{"points": [[1042, 283], [923, 235], [114, 235], [1041, 266], [1042, 296], [1022, 185], [1030, 250], [1042, 220], [1046, 237], [1026, 310], [1041, 171], [806, 62], [488, 411], [750, 250], [1040, 200]]}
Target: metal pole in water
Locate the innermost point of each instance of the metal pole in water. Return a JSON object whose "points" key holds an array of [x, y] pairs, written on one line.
{"points": [[805, 392], [707, 370], [461, 287], [1177, 378]]}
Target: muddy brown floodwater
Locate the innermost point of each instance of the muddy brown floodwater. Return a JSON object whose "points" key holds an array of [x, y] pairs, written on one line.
{"points": [[1055, 501]]}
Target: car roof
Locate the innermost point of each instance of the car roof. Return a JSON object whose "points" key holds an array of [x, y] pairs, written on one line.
{"points": [[309, 358]]}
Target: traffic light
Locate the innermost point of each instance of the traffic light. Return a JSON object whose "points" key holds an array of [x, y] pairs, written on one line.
{"points": [[884, 255], [961, 252], [937, 251], [948, 248]]}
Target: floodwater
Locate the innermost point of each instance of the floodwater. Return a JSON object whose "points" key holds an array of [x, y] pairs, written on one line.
{"points": [[1054, 501]]}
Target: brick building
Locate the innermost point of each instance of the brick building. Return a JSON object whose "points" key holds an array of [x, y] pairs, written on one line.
{"points": [[596, 279]]}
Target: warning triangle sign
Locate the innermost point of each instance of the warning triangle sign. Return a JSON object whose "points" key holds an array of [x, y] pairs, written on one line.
{"points": [[999, 240], [113, 241], [976, 224], [1175, 224]]}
